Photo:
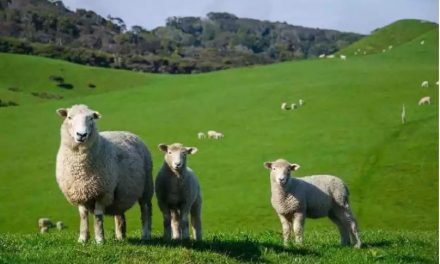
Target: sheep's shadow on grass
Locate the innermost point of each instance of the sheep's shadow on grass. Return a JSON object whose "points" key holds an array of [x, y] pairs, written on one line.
{"points": [[239, 249]]}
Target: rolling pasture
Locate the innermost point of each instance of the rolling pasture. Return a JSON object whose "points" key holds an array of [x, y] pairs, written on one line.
{"points": [[349, 126]]}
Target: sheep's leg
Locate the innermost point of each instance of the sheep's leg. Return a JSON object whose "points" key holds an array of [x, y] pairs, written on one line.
{"points": [[120, 227], [83, 224], [286, 223], [175, 225], [352, 226], [184, 223], [298, 227], [343, 230], [196, 219], [99, 223], [166, 221], [146, 212]]}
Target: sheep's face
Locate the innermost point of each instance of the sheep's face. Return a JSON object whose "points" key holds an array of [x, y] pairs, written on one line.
{"points": [[280, 170], [175, 155], [79, 121]]}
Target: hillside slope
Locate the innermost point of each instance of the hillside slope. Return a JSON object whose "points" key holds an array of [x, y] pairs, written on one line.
{"points": [[394, 35], [350, 127]]}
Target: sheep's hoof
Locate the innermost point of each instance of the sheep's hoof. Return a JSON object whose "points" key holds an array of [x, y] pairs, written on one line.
{"points": [[145, 238], [99, 241], [358, 245]]}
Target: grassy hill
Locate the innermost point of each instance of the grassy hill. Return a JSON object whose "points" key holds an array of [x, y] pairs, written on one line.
{"points": [[350, 127], [395, 34]]}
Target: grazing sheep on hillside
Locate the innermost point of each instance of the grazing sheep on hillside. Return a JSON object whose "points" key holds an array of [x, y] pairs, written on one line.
{"points": [[384, 50], [103, 172], [44, 224], [343, 57], [317, 196], [201, 135], [390, 47], [422, 42], [214, 134], [425, 84], [330, 56], [178, 193], [425, 100], [322, 56], [365, 53], [355, 53], [284, 106], [293, 106], [403, 114]]}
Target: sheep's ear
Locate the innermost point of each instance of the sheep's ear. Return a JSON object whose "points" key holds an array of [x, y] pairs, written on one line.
{"points": [[163, 147], [293, 167], [96, 115], [62, 112], [191, 150], [268, 165]]}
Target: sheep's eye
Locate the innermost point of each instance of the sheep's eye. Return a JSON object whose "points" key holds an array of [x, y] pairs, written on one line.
{"points": [[273, 168], [69, 117], [169, 152]]}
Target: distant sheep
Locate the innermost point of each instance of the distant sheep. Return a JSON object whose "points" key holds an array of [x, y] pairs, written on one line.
{"points": [[44, 224], [436, 83], [425, 100], [355, 53], [214, 134], [384, 50], [60, 225], [103, 172], [178, 193], [284, 106], [293, 106], [425, 84], [201, 135], [343, 57], [390, 47], [422, 42], [330, 56], [301, 102], [317, 196], [365, 53], [322, 56]]}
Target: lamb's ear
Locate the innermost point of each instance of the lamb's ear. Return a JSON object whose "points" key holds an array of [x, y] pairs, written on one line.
{"points": [[62, 112], [191, 150], [293, 167], [268, 165], [96, 115], [163, 147]]}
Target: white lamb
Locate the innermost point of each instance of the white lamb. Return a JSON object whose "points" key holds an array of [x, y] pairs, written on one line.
{"points": [[322, 56], [214, 134], [293, 106], [425, 84], [284, 106], [390, 47], [422, 42], [317, 196], [104, 173], [343, 57], [178, 193], [201, 135], [425, 100], [301, 102], [330, 56]]}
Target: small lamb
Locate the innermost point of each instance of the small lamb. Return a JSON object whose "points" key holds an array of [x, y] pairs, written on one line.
{"points": [[60, 225], [201, 135], [178, 193], [317, 196]]}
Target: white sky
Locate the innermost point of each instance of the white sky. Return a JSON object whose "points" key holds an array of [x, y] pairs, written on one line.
{"points": [[360, 16]]}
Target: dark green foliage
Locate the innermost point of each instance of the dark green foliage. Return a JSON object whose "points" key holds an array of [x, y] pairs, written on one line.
{"points": [[4, 103], [47, 28], [14, 89], [46, 95], [65, 86], [57, 79]]}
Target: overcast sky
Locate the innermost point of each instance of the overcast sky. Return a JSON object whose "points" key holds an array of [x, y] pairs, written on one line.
{"points": [[360, 16]]}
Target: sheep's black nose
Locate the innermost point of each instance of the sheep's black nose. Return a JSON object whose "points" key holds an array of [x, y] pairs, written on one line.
{"points": [[81, 134]]}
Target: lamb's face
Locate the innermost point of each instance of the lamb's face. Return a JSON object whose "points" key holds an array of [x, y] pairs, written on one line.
{"points": [[280, 171], [175, 155], [79, 121]]}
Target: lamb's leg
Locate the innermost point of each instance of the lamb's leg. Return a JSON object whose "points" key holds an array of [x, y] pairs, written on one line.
{"points": [[352, 225], [298, 227], [175, 225], [184, 223], [166, 221], [83, 224], [99, 223], [196, 219], [343, 228], [286, 223], [120, 227], [146, 212]]}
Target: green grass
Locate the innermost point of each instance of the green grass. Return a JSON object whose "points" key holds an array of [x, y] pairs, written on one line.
{"points": [[349, 127], [395, 34], [238, 247]]}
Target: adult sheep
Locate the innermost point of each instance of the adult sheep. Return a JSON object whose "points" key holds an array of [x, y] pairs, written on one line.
{"points": [[317, 196], [425, 84], [425, 100], [103, 172], [178, 193]]}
